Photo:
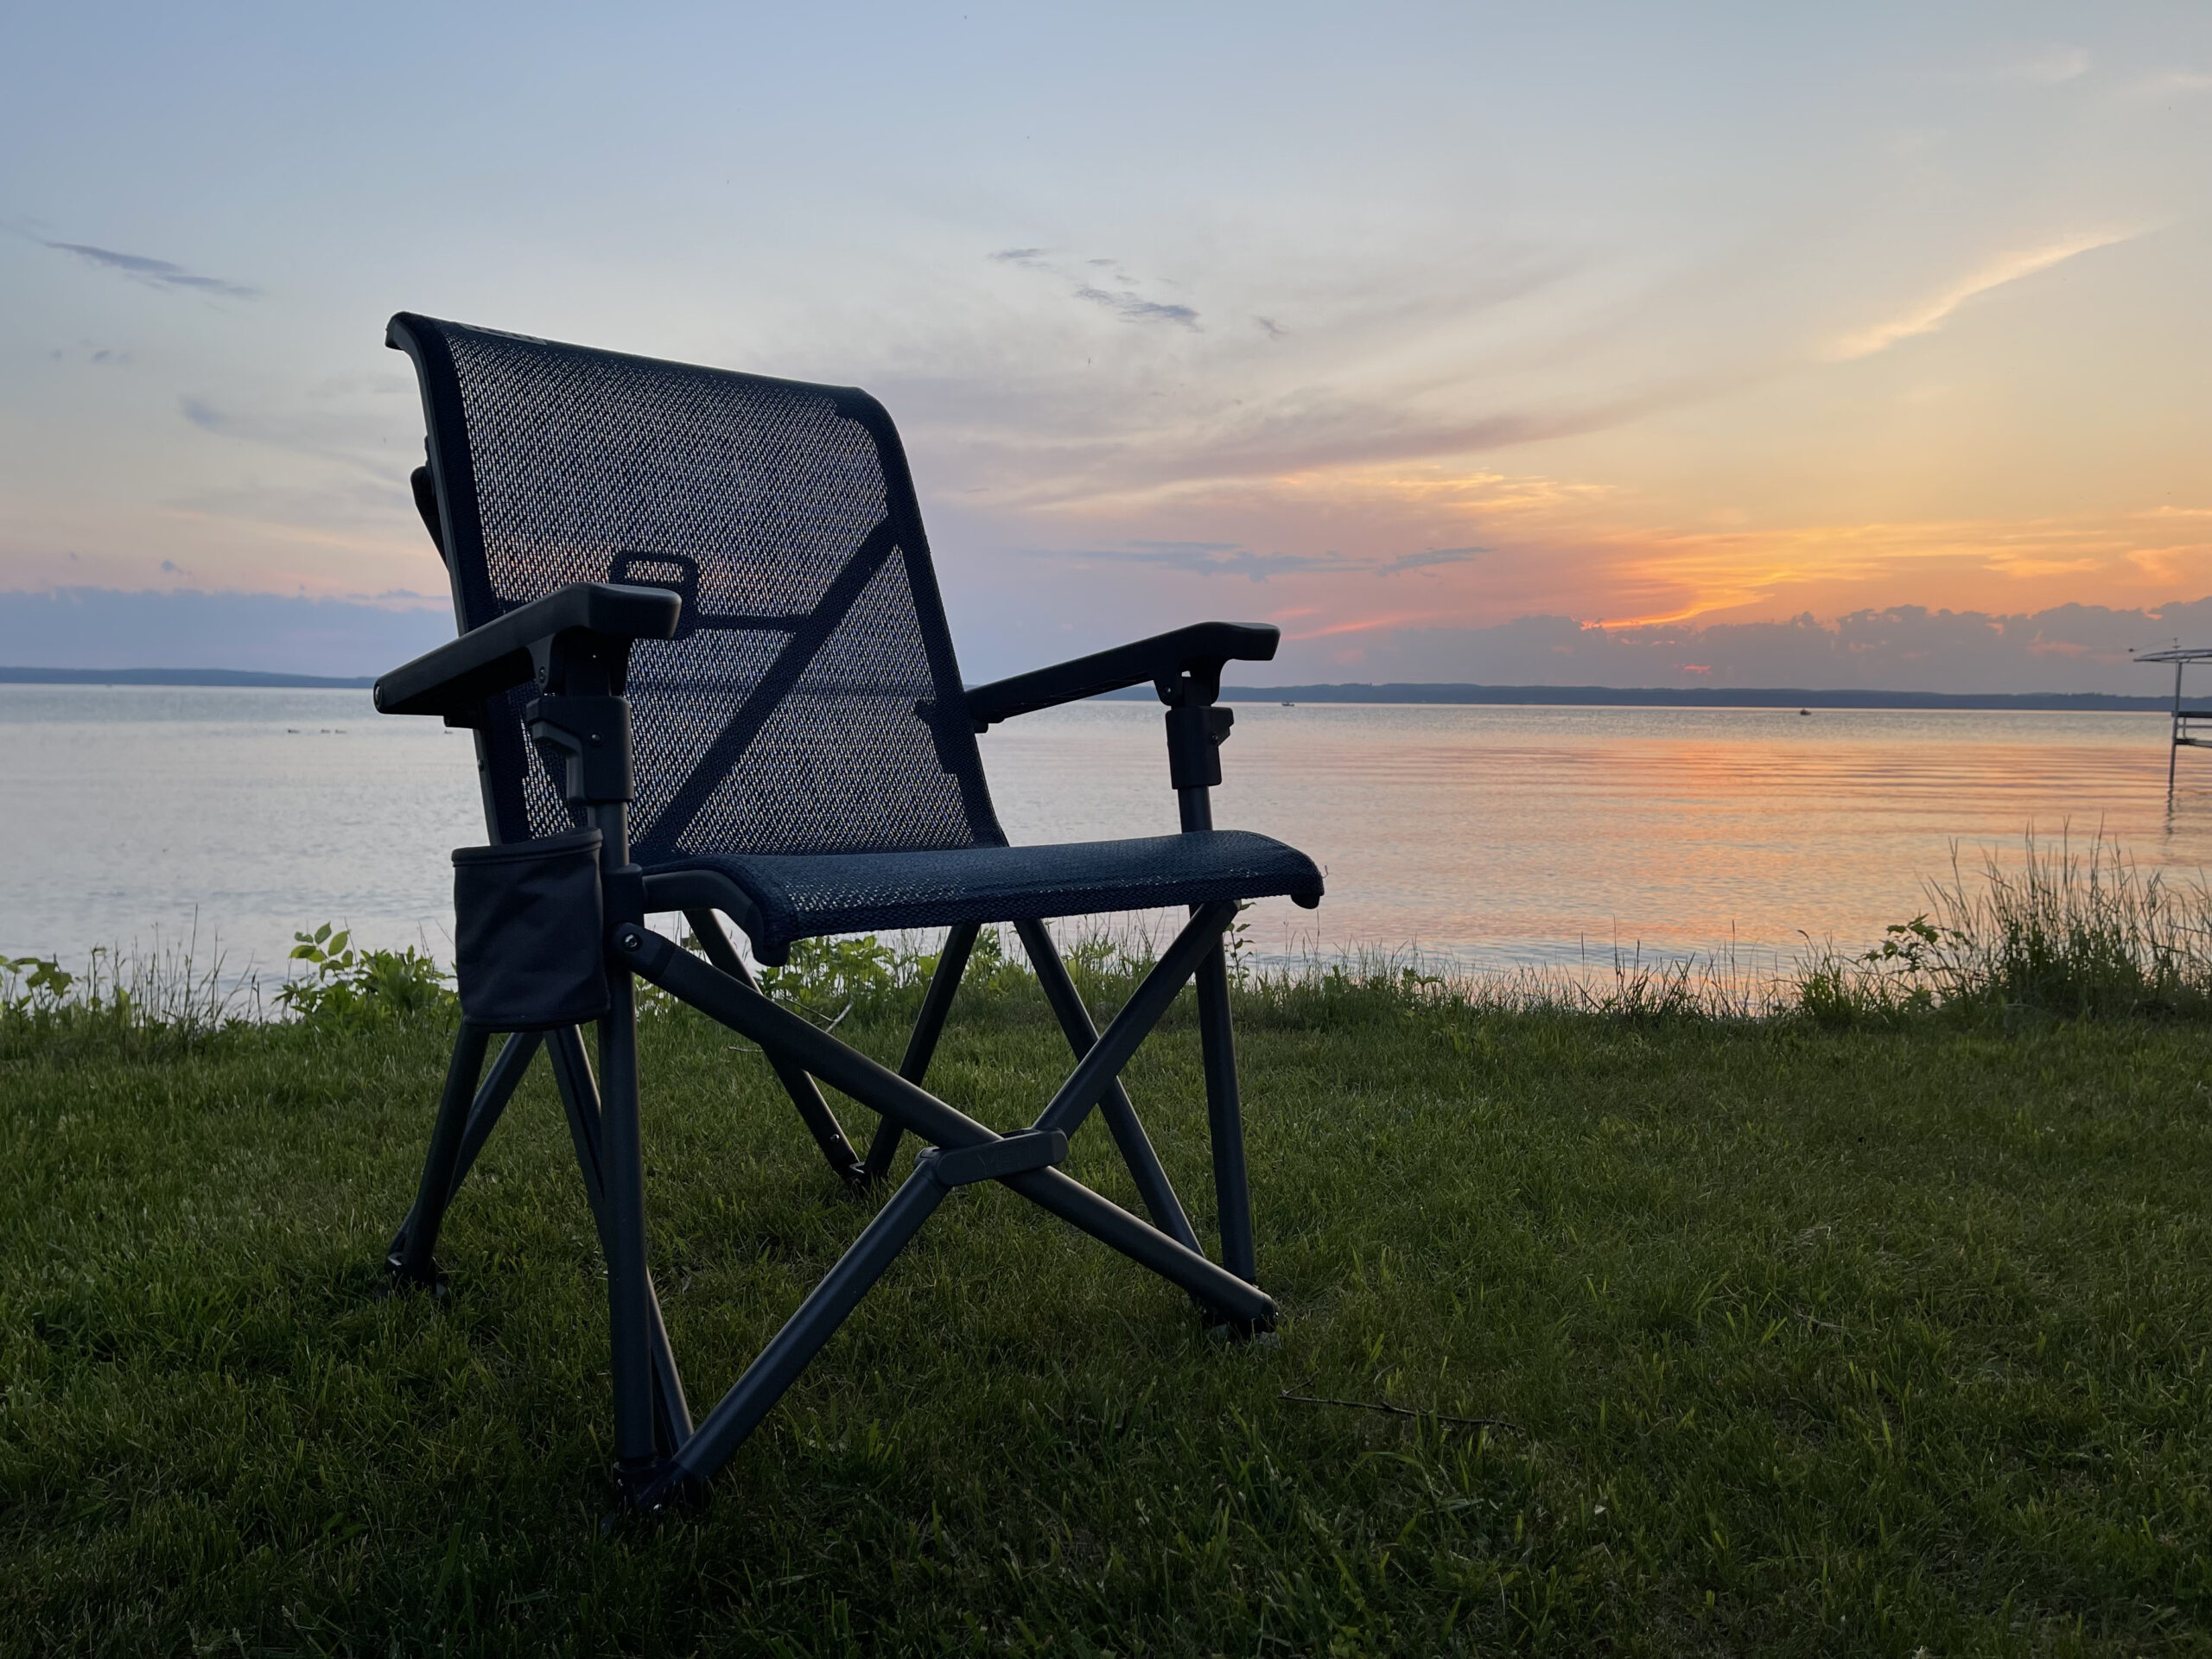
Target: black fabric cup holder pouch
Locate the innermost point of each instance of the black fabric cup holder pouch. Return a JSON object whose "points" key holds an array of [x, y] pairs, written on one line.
{"points": [[528, 926]]}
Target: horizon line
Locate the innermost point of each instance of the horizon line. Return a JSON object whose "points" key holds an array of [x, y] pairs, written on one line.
{"points": [[1405, 692]]}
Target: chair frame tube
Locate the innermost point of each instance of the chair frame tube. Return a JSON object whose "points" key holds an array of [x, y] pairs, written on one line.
{"points": [[1224, 1108], [813, 1109], [921, 1046], [1153, 1185]]}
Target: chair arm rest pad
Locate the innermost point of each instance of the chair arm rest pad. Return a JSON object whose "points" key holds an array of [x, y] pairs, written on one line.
{"points": [[495, 657], [1204, 646]]}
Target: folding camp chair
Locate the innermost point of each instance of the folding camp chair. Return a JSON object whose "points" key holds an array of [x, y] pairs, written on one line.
{"points": [[707, 670]]}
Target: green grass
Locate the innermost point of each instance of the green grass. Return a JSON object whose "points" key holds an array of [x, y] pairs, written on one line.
{"points": [[1811, 1340]]}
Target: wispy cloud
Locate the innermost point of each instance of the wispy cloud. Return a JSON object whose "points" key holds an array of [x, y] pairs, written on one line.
{"points": [[86, 352], [1124, 300], [1362, 625], [1234, 559], [1927, 317], [2172, 83], [2051, 66], [155, 273], [1904, 647], [1138, 309], [351, 437], [1428, 558], [1209, 559]]}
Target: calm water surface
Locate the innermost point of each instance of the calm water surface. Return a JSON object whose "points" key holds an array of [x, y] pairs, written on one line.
{"points": [[1485, 836]]}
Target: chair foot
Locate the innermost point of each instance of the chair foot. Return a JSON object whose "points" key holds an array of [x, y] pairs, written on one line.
{"points": [[1227, 1328], [653, 1487], [398, 1282]]}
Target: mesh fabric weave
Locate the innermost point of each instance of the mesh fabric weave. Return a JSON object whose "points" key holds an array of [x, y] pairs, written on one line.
{"points": [[801, 898], [799, 708]]}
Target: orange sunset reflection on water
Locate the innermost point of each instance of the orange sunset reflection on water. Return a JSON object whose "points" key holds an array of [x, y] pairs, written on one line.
{"points": [[1493, 836]]}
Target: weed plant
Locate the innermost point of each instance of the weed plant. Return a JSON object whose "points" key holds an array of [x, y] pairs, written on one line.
{"points": [[159, 998], [346, 988], [2071, 932]]}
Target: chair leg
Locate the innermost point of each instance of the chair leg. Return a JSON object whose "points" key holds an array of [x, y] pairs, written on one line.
{"points": [[1153, 1185], [629, 1288], [579, 1092], [498, 1087], [1225, 1118], [410, 1259], [828, 1133], [826, 1307], [579, 1101], [921, 1046]]}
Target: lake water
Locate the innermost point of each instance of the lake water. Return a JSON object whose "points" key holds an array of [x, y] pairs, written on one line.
{"points": [[1484, 836]]}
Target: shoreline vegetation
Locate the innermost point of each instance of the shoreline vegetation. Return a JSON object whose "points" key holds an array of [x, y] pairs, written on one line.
{"points": [[1860, 1311], [2071, 931]]}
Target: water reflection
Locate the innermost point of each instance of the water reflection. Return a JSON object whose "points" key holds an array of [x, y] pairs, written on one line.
{"points": [[1484, 836], [1536, 835]]}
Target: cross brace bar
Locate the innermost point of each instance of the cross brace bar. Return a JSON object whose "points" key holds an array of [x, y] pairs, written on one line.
{"points": [[751, 1014], [1018, 1162], [813, 1110]]}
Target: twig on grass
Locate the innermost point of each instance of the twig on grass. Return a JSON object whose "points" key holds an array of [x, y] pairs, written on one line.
{"points": [[1402, 1411]]}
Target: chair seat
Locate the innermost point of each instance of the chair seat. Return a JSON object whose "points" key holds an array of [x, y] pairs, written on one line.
{"points": [[800, 896]]}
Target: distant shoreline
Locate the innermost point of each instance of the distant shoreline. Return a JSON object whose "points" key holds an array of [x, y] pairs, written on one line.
{"points": [[1691, 697], [1618, 696], [230, 677]]}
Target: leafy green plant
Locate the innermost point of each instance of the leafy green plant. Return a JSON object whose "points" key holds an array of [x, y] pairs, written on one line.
{"points": [[988, 965], [823, 978], [347, 987], [1239, 944], [32, 985], [1893, 980]]}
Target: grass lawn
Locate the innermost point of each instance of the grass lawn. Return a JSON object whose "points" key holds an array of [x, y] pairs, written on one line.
{"points": [[1800, 1341]]}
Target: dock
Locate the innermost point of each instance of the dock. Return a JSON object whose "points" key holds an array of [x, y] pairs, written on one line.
{"points": [[2192, 728]]}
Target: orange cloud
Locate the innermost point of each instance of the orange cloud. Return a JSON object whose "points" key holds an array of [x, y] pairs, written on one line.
{"points": [[1929, 315]]}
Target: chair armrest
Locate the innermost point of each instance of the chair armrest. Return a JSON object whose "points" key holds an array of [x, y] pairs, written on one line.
{"points": [[508, 651], [1184, 664]]}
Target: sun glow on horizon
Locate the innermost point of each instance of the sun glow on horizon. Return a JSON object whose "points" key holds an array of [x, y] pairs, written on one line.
{"points": [[1680, 322]]}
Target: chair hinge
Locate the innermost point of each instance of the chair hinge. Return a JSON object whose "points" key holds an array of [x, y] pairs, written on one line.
{"points": [[588, 738], [623, 894], [1017, 1154], [1195, 735]]}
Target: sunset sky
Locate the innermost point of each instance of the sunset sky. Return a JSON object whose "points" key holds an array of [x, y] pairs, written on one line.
{"points": [[1434, 335]]}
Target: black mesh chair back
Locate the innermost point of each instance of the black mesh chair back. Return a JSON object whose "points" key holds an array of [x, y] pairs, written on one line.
{"points": [[810, 702]]}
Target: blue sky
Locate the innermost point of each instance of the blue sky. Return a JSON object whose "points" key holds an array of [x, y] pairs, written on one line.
{"points": [[1394, 325]]}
